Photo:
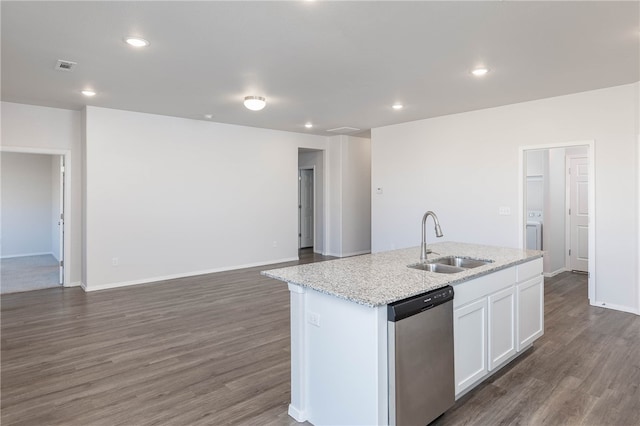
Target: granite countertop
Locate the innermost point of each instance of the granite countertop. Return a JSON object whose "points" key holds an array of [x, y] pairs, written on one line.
{"points": [[383, 278]]}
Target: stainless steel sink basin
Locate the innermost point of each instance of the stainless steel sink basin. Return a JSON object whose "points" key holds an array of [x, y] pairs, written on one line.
{"points": [[437, 267], [449, 264], [461, 262]]}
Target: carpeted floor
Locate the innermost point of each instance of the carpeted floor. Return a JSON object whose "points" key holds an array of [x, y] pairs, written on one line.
{"points": [[28, 273]]}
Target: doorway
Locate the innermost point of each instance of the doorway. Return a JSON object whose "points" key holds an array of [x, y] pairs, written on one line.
{"points": [[311, 204], [557, 208], [34, 199], [305, 208]]}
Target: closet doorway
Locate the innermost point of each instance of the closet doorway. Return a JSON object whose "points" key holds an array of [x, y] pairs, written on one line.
{"points": [[33, 223]]}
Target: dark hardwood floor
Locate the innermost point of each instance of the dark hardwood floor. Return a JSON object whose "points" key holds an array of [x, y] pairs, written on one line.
{"points": [[214, 350]]}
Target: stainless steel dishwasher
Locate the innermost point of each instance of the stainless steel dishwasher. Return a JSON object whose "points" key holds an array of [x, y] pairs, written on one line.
{"points": [[421, 375]]}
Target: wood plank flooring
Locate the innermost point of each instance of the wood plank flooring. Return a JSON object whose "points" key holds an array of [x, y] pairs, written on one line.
{"points": [[585, 370], [214, 350]]}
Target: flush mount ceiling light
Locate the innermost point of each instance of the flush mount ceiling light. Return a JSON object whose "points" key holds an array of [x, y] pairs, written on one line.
{"points": [[480, 71], [308, 125], [136, 41], [255, 103], [208, 116], [88, 93], [397, 106]]}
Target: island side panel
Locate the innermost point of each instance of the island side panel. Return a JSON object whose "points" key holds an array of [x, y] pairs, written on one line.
{"points": [[297, 407], [338, 360]]}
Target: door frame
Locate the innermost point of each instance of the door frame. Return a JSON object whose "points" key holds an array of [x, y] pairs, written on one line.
{"points": [[68, 262], [313, 169], [590, 144]]}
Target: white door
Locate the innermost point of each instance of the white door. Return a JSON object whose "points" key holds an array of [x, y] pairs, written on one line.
{"points": [[579, 213], [305, 223], [530, 297], [61, 221], [470, 341], [502, 333]]}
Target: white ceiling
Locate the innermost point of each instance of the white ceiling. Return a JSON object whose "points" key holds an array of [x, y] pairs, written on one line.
{"points": [[330, 63]]}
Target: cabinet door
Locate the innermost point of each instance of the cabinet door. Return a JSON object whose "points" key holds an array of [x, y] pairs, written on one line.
{"points": [[470, 341], [530, 299], [502, 326]]}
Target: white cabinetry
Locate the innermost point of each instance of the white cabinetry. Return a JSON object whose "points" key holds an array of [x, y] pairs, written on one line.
{"points": [[502, 327], [470, 341], [495, 317], [530, 300]]}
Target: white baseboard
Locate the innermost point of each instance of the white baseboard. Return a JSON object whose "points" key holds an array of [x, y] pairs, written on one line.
{"points": [[554, 273], [74, 284], [355, 253], [620, 308], [153, 280], [298, 415], [25, 255]]}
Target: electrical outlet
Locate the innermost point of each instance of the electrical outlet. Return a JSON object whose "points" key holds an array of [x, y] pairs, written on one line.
{"points": [[275, 244], [379, 190], [313, 319], [114, 261]]}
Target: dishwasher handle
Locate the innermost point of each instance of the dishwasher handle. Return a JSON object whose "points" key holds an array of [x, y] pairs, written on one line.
{"points": [[414, 305]]}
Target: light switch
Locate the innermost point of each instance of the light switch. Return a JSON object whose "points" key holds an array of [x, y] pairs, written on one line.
{"points": [[504, 211]]}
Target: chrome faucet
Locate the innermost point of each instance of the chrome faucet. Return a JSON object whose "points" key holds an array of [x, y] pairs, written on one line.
{"points": [[423, 247]]}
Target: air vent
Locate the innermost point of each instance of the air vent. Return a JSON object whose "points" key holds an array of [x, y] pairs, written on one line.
{"points": [[63, 65], [343, 130]]}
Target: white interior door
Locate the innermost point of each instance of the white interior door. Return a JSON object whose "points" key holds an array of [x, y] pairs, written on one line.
{"points": [[61, 220], [579, 213], [305, 223]]}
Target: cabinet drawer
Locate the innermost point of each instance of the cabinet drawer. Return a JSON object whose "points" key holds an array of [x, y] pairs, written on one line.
{"points": [[529, 270], [474, 289]]}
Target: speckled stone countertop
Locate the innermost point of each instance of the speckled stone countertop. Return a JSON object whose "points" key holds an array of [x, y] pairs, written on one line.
{"points": [[383, 278]]}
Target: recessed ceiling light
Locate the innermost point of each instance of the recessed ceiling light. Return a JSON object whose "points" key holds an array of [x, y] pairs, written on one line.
{"points": [[397, 106], [88, 93], [479, 72], [208, 116], [136, 41], [308, 125], [255, 103]]}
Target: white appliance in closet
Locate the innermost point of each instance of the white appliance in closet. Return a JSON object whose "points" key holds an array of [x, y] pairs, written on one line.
{"points": [[534, 230]]}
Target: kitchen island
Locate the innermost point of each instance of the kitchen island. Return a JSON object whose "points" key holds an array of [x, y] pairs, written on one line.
{"points": [[339, 364]]}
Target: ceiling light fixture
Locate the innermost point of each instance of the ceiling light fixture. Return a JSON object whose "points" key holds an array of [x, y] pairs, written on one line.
{"points": [[208, 116], [136, 41], [88, 93], [479, 72], [308, 125], [397, 106], [255, 103]]}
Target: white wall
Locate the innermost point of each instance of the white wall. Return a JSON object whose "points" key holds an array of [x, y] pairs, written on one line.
{"points": [[173, 197], [356, 196], [34, 128], [349, 168], [26, 204], [55, 206], [553, 229], [314, 159], [465, 166]]}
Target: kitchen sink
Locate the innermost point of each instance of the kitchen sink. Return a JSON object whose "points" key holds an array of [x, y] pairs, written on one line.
{"points": [[461, 262], [449, 264], [437, 267]]}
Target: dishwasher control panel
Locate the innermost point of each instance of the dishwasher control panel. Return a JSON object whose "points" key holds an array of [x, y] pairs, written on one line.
{"points": [[415, 304]]}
